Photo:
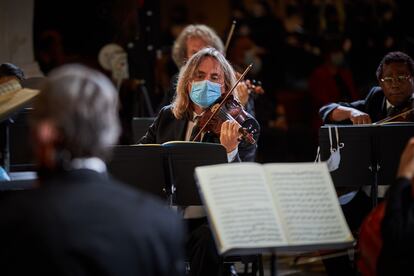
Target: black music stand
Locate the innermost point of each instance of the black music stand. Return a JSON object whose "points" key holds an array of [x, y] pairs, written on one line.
{"points": [[141, 166], [182, 159], [370, 156], [356, 160]]}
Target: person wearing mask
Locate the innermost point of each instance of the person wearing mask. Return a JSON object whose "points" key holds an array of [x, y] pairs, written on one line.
{"points": [[202, 80], [191, 40]]}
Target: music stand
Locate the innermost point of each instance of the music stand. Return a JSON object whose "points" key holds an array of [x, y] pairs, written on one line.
{"points": [[140, 166], [370, 156], [356, 160], [391, 140], [182, 159]]}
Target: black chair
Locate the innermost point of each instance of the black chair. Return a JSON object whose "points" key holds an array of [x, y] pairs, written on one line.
{"points": [[140, 126]]}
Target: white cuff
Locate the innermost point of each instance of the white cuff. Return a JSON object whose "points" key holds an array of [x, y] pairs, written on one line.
{"points": [[231, 155]]}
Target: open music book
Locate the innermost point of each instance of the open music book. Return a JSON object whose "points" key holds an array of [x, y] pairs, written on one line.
{"points": [[286, 206]]}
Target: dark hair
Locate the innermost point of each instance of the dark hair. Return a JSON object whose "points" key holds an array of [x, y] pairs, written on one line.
{"points": [[395, 57], [8, 69]]}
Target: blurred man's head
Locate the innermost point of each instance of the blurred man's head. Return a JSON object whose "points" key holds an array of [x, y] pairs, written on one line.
{"points": [[395, 75], [75, 116], [10, 71]]}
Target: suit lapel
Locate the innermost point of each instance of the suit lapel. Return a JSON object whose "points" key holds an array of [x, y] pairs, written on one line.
{"points": [[180, 130]]}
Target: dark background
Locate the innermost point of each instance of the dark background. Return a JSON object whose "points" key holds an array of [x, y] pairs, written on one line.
{"points": [[291, 39]]}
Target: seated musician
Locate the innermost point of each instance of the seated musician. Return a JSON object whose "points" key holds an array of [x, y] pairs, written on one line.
{"points": [[80, 221], [191, 40], [202, 80], [395, 77]]}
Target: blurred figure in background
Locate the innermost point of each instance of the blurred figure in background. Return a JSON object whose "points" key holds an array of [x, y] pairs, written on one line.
{"points": [[331, 81], [80, 221]]}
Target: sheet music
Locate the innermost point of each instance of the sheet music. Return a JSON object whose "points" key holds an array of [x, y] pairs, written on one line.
{"points": [[241, 205], [308, 203]]}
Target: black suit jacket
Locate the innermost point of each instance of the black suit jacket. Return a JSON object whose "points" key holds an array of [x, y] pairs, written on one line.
{"points": [[167, 128], [374, 105], [83, 223]]}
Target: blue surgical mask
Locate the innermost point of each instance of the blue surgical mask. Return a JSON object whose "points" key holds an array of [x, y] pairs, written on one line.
{"points": [[205, 93]]}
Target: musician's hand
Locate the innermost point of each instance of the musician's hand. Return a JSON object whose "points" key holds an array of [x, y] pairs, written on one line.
{"points": [[242, 92], [406, 168], [358, 117], [229, 135]]}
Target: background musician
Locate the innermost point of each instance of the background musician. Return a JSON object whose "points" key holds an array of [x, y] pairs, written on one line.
{"points": [[202, 80], [395, 77]]}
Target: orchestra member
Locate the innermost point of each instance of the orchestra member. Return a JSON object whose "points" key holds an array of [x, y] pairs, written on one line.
{"points": [[80, 221], [202, 80], [191, 40], [395, 76]]}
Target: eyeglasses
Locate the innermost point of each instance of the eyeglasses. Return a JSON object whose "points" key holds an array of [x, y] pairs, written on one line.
{"points": [[398, 79]]}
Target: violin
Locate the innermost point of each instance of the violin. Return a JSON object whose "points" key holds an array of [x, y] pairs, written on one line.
{"points": [[405, 115], [228, 108]]}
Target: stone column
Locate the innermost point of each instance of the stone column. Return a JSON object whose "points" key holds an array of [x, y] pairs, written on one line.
{"points": [[16, 35]]}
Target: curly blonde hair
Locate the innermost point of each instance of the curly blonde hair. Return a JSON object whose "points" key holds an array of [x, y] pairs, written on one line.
{"points": [[205, 33], [181, 106]]}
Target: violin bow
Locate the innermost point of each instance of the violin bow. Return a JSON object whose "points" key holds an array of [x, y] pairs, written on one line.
{"points": [[388, 119], [233, 26], [223, 101]]}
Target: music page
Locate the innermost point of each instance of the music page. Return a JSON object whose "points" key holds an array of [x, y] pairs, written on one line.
{"points": [[307, 203], [240, 207]]}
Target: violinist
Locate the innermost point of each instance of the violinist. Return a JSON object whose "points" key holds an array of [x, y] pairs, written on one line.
{"points": [[394, 95], [202, 80], [395, 76]]}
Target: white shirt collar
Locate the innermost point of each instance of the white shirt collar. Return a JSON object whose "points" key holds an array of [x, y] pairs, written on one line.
{"points": [[92, 163], [388, 104]]}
